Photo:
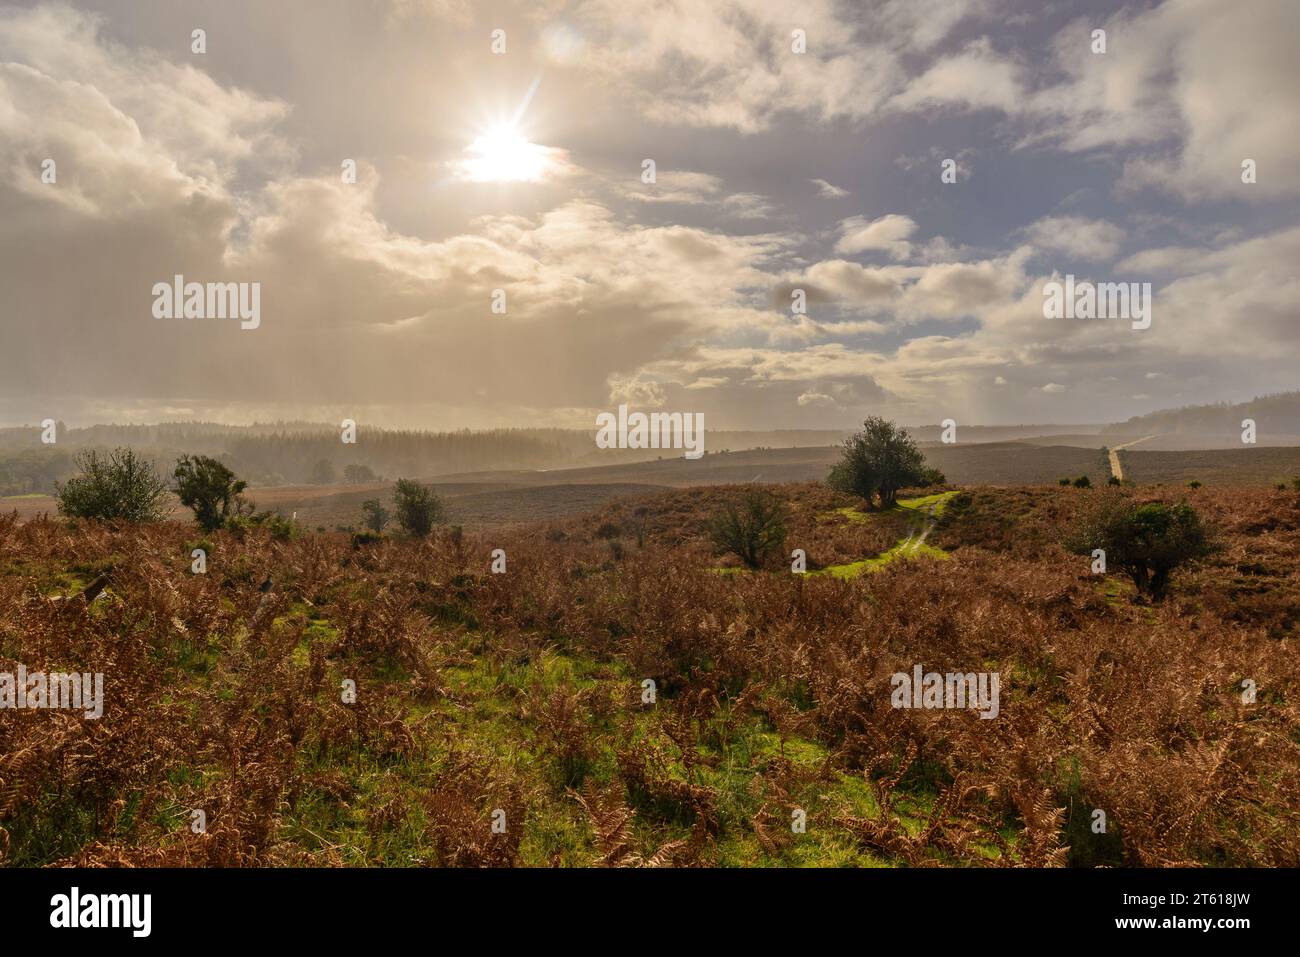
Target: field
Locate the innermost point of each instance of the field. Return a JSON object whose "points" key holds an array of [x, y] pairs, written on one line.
{"points": [[479, 500], [1258, 466], [621, 696]]}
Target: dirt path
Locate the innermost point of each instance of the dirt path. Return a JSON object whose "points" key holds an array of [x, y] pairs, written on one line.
{"points": [[910, 545], [1116, 469]]}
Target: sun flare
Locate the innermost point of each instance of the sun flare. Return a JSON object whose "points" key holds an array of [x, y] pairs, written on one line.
{"points": [[504, 155]]}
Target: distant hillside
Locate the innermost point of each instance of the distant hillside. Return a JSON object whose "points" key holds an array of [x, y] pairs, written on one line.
{"points": [[1273, 414], [289, 453]]}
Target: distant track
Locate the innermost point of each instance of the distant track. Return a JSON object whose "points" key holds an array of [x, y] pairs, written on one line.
{"points": [[1116, 469]]}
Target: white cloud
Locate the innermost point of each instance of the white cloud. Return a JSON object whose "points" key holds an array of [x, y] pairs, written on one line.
{"points": [[704, 63], [815, 399], [976, 78], [689, 188], [1083, 238], [886, 234], [828, 190]]}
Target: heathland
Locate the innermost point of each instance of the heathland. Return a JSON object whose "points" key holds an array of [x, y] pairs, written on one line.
{"points": [[608, 697]]}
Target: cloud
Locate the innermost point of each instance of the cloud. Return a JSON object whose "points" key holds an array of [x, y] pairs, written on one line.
{"points": [[708, 382], [688, 188], [887, 234], [976, 78], [1083, 238], [702, 63], [827, 190], [815, 399], [159, 174], [1169, 259], [1171, 85], [376, 295]]}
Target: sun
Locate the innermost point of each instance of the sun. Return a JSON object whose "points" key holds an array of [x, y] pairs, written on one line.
{"points": [[504, 155]]}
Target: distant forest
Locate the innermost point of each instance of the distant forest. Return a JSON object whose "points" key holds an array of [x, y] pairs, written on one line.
{"points": [[297, 453], [1277, 414]]}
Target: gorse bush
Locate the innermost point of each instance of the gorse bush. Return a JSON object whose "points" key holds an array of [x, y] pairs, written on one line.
{"points": [[752, 530], [117, 486], [418, 507], [931, 477], [1147, 541], [209, 488], [280, 527], [376, 515]]}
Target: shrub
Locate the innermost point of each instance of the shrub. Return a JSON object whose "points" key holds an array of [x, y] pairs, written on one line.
{"points": [[1113, 481], [358, 474], [639, 525], [281, 528], [608, 530], [418, 508], [931, 477], [376, 515], [209, 488], [1064, 481], [322, 473], [1194, 484], [752, 532], [1145, 541], [119, 486], [1083, 482]]}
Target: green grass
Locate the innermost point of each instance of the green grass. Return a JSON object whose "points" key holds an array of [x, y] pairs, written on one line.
{"points": [[939, 500], [924, 507], [903, 550], [486, 713]]}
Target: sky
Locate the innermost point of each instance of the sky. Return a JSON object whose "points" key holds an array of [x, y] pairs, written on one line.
{"points": [[510, 170]]}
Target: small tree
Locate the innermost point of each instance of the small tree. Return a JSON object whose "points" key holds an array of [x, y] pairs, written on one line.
{"points": [[119, 486], [878, 461], [930, 477], [209, 488], [418, 508], [1145, 541], [358, 474], [751, 531], [376, 515], [322, 473]]}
